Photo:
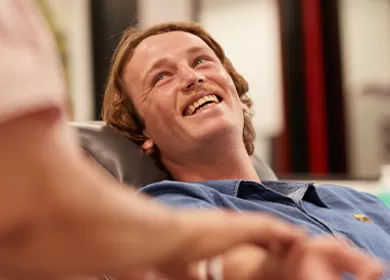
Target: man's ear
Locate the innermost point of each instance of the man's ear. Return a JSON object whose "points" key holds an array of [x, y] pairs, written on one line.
{"points": [[148, 145]]}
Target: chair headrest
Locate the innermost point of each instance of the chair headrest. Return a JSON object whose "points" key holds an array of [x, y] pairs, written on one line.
{"points": [[126, 161]]}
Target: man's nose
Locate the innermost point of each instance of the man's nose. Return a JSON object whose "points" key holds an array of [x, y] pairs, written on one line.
{"points": [[192, 79]]}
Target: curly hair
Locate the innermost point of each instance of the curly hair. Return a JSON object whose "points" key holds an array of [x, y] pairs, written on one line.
{"points": [[118, 110]]}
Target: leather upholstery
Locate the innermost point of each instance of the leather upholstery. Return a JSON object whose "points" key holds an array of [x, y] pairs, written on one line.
{"points": [[126, 161]]}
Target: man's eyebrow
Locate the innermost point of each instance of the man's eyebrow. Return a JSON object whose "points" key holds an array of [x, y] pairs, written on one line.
{"points": [[164, 61], [156, 64], [197, 49]]}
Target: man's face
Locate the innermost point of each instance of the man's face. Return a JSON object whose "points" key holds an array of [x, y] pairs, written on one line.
{"points": [[183, 93]]}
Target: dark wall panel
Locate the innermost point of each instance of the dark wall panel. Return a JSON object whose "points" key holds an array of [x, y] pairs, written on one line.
{"points": [[335, 103], [294, 84], [109, 19], [314, 138]]}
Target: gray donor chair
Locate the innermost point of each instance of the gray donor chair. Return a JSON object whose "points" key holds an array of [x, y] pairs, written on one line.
{"points": [[126, 161]]}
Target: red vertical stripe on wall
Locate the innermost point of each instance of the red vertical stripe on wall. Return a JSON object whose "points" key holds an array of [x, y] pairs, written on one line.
{"points": [[315, 87]]}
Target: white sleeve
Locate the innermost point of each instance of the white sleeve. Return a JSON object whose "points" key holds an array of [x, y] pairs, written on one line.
{"points": [[22, 98], [30, 73]]}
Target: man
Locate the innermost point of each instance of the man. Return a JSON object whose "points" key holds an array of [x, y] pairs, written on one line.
{"points": [[172, 90], [60, 215]]}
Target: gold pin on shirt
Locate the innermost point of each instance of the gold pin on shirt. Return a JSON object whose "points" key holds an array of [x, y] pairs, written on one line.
{"points": [[362, 218]]}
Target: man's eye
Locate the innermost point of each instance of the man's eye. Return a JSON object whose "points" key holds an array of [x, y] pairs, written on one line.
{"points": [[158, 78], [198, 61]]}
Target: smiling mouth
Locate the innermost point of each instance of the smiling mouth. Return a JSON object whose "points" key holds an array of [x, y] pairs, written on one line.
{"points": [[201, 104]]}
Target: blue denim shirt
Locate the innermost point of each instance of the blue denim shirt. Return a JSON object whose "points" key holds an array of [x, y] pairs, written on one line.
{"points": [[359, 217]]}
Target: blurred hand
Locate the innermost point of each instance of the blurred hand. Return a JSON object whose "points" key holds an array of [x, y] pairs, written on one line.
{"points": [[322, 258], [205, 234]]}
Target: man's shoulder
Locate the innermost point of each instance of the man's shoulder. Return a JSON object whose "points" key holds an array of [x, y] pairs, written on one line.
{"points": [[341, 189], [168, 186], [348, 195], [203, 188], [182, 194], [171, 183]]}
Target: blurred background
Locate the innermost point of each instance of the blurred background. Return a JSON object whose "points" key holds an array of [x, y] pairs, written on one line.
{"points": [[318, 70]]}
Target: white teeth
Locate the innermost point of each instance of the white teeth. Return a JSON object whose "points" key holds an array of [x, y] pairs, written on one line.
{"points": [[205, 106], [198, 103], [191, 109]]}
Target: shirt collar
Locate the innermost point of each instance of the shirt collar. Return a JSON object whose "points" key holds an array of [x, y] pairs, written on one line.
{"points": [[294, 190], [228, 187]]}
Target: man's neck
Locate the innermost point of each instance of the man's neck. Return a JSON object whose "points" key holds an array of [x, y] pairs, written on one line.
{"points": [[229, 164]]}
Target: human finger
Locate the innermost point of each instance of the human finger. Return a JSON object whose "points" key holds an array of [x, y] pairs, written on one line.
{"points": [[346, 258], [210, 233]]}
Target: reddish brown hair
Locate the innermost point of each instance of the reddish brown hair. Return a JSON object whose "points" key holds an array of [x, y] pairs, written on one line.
{"points": [[118, 110]]}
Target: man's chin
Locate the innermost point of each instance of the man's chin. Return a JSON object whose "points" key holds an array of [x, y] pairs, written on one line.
{"points": [[212, 132]]}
